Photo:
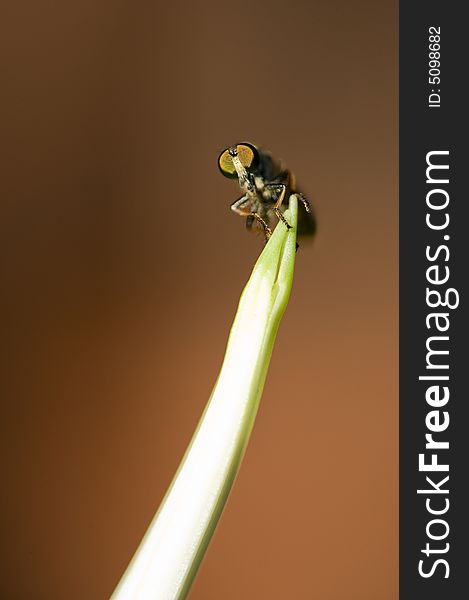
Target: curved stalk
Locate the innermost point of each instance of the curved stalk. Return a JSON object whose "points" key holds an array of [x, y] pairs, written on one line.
{"points": [[172, 549]]}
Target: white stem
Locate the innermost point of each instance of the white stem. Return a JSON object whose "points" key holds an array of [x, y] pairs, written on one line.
{"points": [[169, 555]]}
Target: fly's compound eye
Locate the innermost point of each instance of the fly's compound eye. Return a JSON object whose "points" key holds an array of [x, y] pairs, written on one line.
{"points": [[247, 154]]}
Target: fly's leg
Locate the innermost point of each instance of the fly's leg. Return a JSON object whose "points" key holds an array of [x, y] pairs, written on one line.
{"points": [[243, 206], [267, 230], [278, 204], [305, 202]]}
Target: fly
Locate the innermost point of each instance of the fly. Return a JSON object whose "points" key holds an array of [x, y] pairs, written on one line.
{"points": [[266, 187]]}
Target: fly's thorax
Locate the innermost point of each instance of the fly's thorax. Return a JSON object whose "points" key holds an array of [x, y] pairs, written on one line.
{"points": [[267, 194], [259, 182]]}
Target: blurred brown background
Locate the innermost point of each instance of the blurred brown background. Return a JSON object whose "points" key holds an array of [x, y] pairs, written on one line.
{"points": [[122, 265]]}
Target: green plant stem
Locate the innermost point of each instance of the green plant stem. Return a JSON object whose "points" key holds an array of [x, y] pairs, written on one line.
{"points": [[172, 549]]}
